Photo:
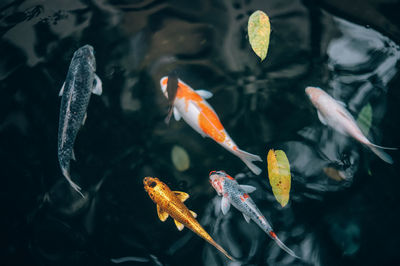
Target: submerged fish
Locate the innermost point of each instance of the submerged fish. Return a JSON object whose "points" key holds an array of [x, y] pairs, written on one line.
{"points": [[80, 83], [334, 114], [191, 105], [171, 203], [238, 195]]}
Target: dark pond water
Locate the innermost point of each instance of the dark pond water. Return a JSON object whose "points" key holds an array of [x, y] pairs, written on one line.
{"points": [[335, 45]]}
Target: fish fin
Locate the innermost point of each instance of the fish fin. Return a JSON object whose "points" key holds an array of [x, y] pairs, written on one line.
{"points": [[246, 218], [341, 103], [381, 147], [182, 196], [72, 184], [177, 115], [193, 214], [321, 118], [97, 85], [62, 90], [84, 119], [248, 158], [281, 245], [73, 155], [247, 188], [225, 205], [179, 225], [204, 94], [162, 214], [381, 154]]}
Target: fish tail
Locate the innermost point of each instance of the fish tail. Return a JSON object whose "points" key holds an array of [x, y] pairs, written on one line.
{"points": [[72, 183], [248, 159], [281, 245], [212, 242], [381, 154]]}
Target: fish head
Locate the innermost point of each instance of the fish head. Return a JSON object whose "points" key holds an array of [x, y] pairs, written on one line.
{"points": [[86, 53], [313, 94], [152, 184], [217, 179], [163, 84]]}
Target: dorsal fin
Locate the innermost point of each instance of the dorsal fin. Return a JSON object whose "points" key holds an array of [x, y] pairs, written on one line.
{"points": [[181, 195], [162, 214]]}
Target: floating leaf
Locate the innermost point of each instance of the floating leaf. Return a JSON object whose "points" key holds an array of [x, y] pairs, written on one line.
{"points": [[334, 173], [279, 175], [259, 29], [364, 119], [180, 158]]}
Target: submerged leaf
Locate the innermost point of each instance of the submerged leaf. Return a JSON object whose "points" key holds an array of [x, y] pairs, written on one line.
{"points": [[259, 30], [279, 175], [334, 173], [364, 119], [180, 158]]}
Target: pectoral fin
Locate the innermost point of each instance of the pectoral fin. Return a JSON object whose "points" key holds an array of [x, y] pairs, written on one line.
{"points": [[247, 188], [225, 205], [341, 103], [246, 218], [73, 155], [193, 214], [321, 118], [62, 90], [84, 119], [162, 214], [177, 115], [181, 195], [204, 94], [179, 225], [97, 85]]}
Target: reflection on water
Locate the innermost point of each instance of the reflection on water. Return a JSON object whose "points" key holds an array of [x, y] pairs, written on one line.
{"points": [[342, 197]]}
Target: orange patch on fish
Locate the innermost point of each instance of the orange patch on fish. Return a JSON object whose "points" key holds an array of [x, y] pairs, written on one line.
{"points": [[186, 93], [210, 124], [229, 177], [245, 195], [165, 81], [272, 234]]}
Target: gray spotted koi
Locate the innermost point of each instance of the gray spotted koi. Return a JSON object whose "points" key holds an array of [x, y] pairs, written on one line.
{"points": [[80, 83], [238, 195]]}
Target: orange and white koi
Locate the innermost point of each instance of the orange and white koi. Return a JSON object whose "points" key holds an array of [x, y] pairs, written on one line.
{"points": [[238, 195], [194, 109], [334, 114], [171, 203]]}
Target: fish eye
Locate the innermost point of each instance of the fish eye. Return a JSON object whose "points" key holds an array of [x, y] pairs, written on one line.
{"points": [[153, 184]]}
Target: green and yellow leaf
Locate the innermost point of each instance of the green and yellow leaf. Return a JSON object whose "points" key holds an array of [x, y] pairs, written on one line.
{"points": [[364, 119], [259, 30], [180, 158], [279, 175]]}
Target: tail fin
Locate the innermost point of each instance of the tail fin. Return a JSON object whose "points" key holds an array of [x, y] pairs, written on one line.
{"points": [[381, 154], [281, 245], [73, 185], [212, 242], [248, 158]]}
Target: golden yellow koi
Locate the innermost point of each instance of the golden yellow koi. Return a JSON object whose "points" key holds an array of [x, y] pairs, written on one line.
{"points": [[171, 203]]}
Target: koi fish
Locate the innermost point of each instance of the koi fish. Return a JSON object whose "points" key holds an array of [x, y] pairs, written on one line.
{"points": [[334, 114], [171, 203], [80, 83], [238, 195], [194, 109]]}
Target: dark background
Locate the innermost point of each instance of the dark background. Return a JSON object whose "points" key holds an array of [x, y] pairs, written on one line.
{"points": [[348, 48]]}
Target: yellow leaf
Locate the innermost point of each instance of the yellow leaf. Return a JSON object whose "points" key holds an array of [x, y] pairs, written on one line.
{"points": [[259, 30], [279, 175]]}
